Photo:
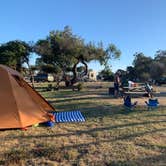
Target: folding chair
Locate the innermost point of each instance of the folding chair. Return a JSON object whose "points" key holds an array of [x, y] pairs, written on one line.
{"points": [[128, 104], [152, 104]]}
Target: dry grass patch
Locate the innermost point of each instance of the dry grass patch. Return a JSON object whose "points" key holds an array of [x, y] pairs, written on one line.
{"points": [[110, 136]]}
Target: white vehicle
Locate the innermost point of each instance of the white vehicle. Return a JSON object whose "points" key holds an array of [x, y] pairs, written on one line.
{"points": [[50, 78], [44, 78]]}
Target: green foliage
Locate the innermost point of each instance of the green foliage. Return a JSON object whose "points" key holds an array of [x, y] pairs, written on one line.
{"points": [[145, 68], [142, 62], [80, 69], [145, 76], [113, 51], [50, 87], [15, 53], [80, 86], [65, 50], [131, 73], [106, 74], [157, 70], [142, 66], [60, 52], [48, 68], [160, 57]]}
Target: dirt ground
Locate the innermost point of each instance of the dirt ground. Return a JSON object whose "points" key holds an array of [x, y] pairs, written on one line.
{"points": [[111, 135]]}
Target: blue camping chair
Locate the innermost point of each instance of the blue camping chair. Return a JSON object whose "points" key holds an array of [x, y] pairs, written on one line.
{"points": [[128, 104], [152, 104]]}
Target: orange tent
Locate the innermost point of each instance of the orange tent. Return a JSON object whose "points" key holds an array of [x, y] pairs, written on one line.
{"points": [[20, 105]]}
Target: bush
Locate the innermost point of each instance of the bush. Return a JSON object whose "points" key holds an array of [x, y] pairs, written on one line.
{"points": [[50, 87], [80, 86]]}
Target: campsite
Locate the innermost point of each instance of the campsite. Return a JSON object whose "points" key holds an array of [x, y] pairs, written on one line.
{"points": [[109, 136], [83, 83]]}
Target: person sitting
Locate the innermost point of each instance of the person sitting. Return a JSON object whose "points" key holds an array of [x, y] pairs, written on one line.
{"points": [[149, 89]]}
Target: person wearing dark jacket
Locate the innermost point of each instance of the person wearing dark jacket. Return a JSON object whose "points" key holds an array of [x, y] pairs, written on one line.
{"points": [[116, 85]]}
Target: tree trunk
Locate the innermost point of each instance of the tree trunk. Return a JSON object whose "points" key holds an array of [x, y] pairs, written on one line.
{"points": [[31, 75], [69, 82], [75, 75], [18, 67], [86, 68]]}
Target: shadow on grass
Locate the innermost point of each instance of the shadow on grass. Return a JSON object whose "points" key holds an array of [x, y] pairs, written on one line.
{"points": [[46, 152], [98, 111], [60, 154], [154, 147], [90, 132], [160, 115], [159, 160], [68, 94], [101, 97]]}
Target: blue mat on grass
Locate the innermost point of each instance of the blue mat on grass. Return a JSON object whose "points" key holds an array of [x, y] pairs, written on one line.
{"points": [[71, 116]]}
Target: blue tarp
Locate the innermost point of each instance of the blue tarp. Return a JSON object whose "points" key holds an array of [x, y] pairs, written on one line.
{"points": [[69, 116]]}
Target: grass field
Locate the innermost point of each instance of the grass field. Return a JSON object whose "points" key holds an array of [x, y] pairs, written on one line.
{"points": [[111, 135]]}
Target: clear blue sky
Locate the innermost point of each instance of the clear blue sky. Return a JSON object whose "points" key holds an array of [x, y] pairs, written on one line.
{"points": [[132, 25]]}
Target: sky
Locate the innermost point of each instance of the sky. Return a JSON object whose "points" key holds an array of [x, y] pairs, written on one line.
{"points": [[132, 25]]}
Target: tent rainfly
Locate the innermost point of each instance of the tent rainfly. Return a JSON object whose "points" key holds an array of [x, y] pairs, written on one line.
{"points": [[20, 105]]}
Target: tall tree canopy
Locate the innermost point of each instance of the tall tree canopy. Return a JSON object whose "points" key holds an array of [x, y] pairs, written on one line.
{"points": [[160, 57], [15, 53], [106, 75], [145, 68], [65, 50], [158, 68], [142, 65]]}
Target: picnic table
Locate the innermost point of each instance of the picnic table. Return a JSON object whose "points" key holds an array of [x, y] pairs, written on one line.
{"points": [[134, 89]]}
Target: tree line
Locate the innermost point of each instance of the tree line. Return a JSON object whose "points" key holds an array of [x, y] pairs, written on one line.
{"points": [[144, 68], [66, 55], [60, 53]]}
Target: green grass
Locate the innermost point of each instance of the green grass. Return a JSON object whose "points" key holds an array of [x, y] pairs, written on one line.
{"points": [[110, 136]]}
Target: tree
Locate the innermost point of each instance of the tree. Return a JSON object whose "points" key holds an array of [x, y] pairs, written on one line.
{"points": [[157, 70], [131, 73], [142, 66], [66, 50], [15, 53], [160, 59], [112, 52], [106, 75], [160, 56]]}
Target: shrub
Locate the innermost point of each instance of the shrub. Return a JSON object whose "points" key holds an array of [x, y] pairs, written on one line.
{"points": [[80, 86], [50, 87]]}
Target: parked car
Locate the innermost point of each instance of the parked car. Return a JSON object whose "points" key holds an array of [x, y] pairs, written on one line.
{"points": [[44, 78], [160, 81]]}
